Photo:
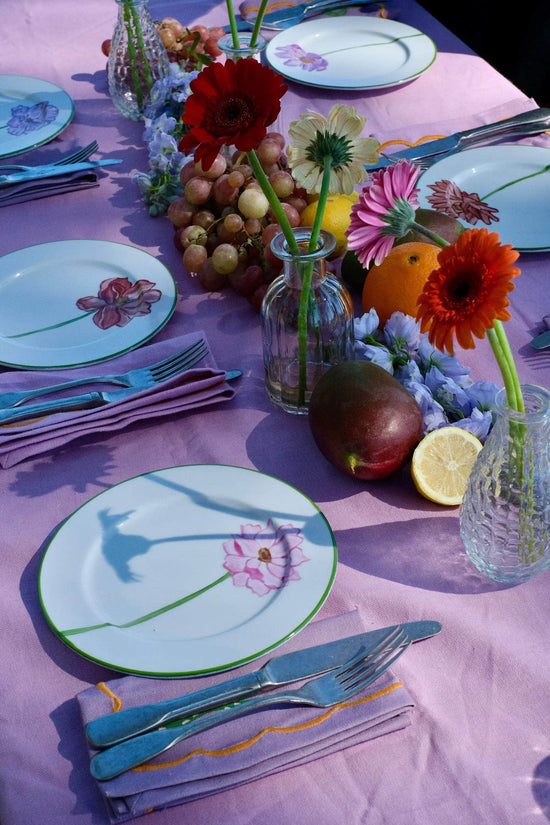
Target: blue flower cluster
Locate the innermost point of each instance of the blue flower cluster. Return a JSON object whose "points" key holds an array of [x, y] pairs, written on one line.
{"points": [[440, 384], [164, 129]]}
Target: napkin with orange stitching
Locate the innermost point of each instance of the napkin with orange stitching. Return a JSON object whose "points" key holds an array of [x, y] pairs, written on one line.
{"points": [[202, 385], [250, 747]]}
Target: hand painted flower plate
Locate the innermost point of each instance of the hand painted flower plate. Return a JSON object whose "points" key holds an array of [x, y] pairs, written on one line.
{"points": [[71, 303], [513, 179], [188, 570], [32, 112], [351, 53]]}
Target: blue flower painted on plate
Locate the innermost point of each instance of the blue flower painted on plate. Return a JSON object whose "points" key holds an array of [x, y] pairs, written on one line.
{"points": [[25, 119], [296, 56]]}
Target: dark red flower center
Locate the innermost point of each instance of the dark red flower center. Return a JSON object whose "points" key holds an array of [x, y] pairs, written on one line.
{"points": [[231, 115], [463, 288]]}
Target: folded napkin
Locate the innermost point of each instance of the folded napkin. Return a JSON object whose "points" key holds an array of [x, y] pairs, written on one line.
{"points": [[384, 8], [204, 384], [45, 187], [248, 748]]}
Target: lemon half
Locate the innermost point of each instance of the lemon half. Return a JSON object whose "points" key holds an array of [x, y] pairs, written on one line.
{"points": [[442, 462]]}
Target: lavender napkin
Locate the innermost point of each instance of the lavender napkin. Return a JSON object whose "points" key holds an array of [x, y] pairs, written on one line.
{"points": [[251, 747], [45, 187], [195, 388]]}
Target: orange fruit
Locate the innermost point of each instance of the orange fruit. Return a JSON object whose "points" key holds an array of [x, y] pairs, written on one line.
{"points": [[395, 284]]}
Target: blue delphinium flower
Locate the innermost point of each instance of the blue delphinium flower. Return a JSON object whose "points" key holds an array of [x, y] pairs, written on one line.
{"points": [[440, 384]]}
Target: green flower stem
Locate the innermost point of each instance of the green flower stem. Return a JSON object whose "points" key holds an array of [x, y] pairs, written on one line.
{"points": [[258, 23], [274, 202], [429, 234], [142, 48], [232, 24], [132, 53]]}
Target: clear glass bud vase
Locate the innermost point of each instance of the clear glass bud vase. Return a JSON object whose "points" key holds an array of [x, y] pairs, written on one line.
{"points": [[505, 514], [307, 322], [137, 58]]}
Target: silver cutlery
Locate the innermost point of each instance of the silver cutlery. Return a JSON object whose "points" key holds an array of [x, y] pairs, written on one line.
{"points": [[285, 18], [281, 670], [75, 157], [148, 378], [528, 123], [326, 691], [37, 173]]}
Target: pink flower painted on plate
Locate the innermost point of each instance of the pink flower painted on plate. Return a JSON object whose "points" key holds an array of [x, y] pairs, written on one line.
{"points": [[296, 56], [264, 558], [119, 300], [454, 202]]}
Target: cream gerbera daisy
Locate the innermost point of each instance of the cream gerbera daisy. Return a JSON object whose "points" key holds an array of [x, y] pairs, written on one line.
{"points": [[316, 141]]}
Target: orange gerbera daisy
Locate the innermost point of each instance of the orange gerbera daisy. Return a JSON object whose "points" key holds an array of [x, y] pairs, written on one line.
{"points": [[468, 293]]}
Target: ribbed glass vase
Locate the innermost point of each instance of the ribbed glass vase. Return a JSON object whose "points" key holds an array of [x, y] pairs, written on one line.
{"points": [[505, 513], [304, 332], [137, 59]]}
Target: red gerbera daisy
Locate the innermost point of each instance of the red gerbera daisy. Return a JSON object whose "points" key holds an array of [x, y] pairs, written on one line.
{"points": [[231, 104], [468, 292]]}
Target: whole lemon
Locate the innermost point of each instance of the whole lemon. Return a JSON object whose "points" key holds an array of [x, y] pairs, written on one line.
{"points": [[336, 218], [396, 284]]}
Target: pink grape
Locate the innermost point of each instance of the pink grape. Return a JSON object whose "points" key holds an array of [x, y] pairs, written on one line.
{"points": [[180, 212], [269, 233], [246, 281], [218, 168], [253, 203], [204, 218], [187, 172], [236, 178], [194, 256], [210, 278], [282, 183], [252, 227], [268, 151], [193, 234], [197, 190], [225, 258], [233, 222], [222, 191]]}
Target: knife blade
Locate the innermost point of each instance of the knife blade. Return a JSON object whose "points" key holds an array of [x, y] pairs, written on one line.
{"points": [[282, 670], [52, 171], [85, 401], [532, 122]]}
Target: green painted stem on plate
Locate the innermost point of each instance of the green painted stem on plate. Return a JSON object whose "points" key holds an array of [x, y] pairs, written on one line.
{"points": [[53, 326], [517, 180], [152, 615], [365, 45]]}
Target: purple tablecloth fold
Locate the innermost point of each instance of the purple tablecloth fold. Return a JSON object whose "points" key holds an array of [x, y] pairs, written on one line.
{"points": [[250, 747], [197, 387]]}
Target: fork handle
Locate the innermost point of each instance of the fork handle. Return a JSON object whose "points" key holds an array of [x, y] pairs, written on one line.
{"points": [[16, 398], [132, 752], [76, 402]]}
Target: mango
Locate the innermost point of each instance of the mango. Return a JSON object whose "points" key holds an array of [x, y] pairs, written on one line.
{"points": [[364, 421]]}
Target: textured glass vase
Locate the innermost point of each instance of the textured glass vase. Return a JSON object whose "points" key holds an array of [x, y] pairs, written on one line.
{"points": [[505, 514], [137, 58], [305, 332], [244, 49]]}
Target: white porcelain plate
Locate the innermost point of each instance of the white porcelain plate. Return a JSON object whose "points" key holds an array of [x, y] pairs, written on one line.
{"points": [[70, 303], [32, 112], [351, 52], [513, 179], [188, 570]]}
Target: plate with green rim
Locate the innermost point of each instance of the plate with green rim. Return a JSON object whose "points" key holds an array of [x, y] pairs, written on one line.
{"points": [[78, 302], [351, 52], [32, 112], [188, 570]]}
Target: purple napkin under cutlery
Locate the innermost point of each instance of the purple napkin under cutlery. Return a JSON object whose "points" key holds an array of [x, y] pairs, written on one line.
{"points": [[250, 747], [197, 387], [59, 185]]}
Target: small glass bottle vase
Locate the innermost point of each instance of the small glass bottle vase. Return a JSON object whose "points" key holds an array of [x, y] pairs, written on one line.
{"points": [[137, 59], [505, 514], [243, 49], [305, 330]]}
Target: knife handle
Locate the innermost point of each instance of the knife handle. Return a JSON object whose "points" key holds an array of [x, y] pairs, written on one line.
{"points": [[116, 727], [519, 124], [76, 402]]}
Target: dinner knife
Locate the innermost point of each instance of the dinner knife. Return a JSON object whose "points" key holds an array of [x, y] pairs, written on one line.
{"points": [[541, 341], [282, 670], [86, 401], [52, 171], [528, 123]]}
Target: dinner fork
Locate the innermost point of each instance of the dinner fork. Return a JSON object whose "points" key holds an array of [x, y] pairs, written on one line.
{"points": [[77, 156], [325, 691], [140, 378]]}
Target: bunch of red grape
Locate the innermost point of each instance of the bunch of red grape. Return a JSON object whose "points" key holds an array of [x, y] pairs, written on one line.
{"points": [[190, 47], [224, 224]]}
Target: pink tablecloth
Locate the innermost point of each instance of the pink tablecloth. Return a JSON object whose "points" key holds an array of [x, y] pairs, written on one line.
{"points": [[479, 748]]}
